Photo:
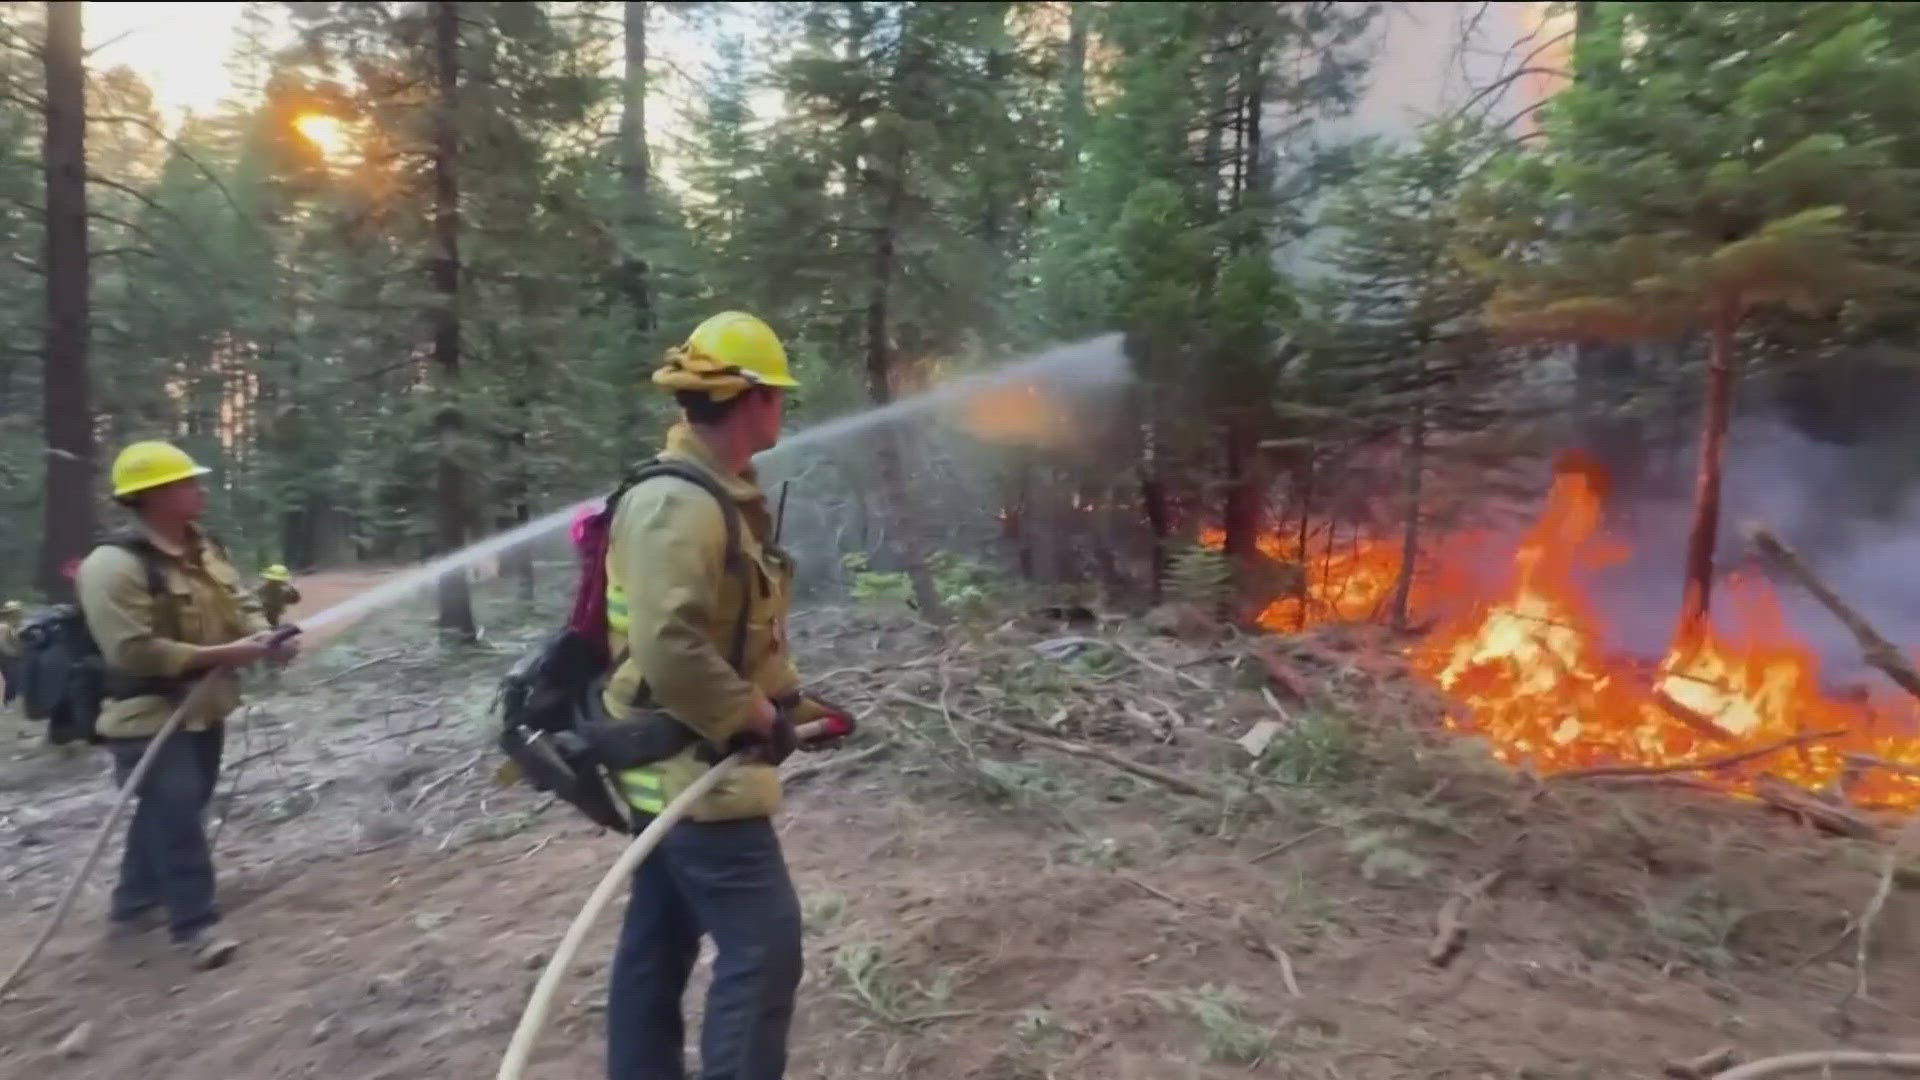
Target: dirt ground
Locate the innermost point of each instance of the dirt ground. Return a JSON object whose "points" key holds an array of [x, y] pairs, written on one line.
{"points": [[1059, 922]]}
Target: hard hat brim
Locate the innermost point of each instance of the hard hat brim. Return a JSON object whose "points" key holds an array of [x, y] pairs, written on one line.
{"points": [[172, 478]]}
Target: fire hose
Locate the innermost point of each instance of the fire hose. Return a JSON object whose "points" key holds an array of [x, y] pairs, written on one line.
{"points": [[541, 1002], [188, 703]]}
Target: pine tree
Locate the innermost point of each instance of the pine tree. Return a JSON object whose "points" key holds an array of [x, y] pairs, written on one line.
{"points": [[1741, 161]]}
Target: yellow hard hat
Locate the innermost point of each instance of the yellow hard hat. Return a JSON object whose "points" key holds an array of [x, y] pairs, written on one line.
{"points": [[726, 354], [147, 465], [276, 572], [11, 607]]}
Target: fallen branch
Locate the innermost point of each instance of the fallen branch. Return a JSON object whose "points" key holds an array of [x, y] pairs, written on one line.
{"points": [[1288, 845], [1868, 761], [1875, 649], [361, 666], [1703, 765], [1076, 749], [1693, 718], [403, 733], [1701, 1067], [1450, 924], [838, 761], [1781, 795], [1863, 925], [1151, 891], [422, 794], [1823, 1059]]}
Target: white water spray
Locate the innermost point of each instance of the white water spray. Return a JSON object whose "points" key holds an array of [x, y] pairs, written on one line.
{"points": [[1068, 370]]}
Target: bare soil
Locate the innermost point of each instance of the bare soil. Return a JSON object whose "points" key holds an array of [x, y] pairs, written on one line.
{"points": [[986, 912]]}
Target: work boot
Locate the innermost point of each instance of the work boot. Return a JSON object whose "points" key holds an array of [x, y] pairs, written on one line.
{"points": [[209, 950], [127, 927]]}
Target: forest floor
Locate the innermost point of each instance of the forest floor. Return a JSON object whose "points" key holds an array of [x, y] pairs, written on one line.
{"points": [[978, 905]]}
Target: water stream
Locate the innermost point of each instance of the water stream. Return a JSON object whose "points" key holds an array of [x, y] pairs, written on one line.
{"points": [[1069, 371]]}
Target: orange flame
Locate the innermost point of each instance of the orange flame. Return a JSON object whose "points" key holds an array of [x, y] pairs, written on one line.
{"points": [[1532, 677], [1345, 581], [1526, 663]]}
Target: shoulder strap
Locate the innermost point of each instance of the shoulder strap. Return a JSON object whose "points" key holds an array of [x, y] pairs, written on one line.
{"points": [[730, 514], [150, 558]]}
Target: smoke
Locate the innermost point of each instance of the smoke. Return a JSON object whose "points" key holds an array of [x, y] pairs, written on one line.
{"points": [[1819, 498]]}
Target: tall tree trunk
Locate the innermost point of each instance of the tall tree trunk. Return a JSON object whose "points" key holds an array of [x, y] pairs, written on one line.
{"points": [[451, 512], [879, 362], [1410, 540], [1240, 512], [1073, 123], [67, 400], [1713, 449], [636, 168]]}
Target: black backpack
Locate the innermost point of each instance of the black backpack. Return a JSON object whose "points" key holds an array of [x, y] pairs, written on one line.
{"points": [[554, 726], [63, 678]]}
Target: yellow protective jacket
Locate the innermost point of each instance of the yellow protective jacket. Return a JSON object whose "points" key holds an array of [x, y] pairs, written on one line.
{"points": [[672, 605], [203, 604]]}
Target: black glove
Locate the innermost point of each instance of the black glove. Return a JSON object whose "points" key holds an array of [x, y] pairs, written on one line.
{"points": [[771, 747]]}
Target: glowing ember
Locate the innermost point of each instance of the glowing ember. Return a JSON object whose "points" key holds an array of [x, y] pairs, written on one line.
{"points": [[1529, 670]]}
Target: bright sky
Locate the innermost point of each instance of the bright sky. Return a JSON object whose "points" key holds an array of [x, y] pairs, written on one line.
{"points": [[180, 49]]}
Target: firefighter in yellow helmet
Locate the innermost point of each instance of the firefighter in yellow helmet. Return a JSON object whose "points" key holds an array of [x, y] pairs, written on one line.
{"points": [[167, 608], [276, 593], [697, 595]]}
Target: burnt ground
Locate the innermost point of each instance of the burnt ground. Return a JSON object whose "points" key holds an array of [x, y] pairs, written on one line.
{"points": [[978, 907]]}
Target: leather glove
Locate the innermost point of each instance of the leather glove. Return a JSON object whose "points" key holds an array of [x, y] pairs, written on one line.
{"points": [[812, 709]]}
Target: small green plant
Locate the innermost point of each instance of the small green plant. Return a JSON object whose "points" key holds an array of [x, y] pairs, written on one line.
{"points": [[889, 586], [1694, 925], [872, 983], [1318, 749], [1221, 1012], [1384, 858], [1200, 576]]}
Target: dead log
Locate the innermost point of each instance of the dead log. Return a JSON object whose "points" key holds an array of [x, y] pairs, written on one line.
{"points": [[1706, 765], [1875, 649], [1778, 793]]}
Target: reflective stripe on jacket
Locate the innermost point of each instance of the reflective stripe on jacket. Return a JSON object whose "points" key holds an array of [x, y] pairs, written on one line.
{"points": [[671, 609]]}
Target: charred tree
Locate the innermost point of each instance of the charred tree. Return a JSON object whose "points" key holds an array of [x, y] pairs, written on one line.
{"points": [[1705, 530], [67, 400], [1410, 539], [450, 509]]}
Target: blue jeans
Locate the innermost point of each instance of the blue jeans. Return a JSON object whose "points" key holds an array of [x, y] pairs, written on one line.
{"points": [[727, 879], [167, 862]]}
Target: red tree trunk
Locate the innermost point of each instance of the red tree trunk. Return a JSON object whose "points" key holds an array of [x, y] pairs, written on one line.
{"points": [[1706, 499]]}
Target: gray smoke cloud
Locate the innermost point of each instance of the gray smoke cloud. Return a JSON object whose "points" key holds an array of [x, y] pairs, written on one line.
{"points": [[1810, 494]]}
